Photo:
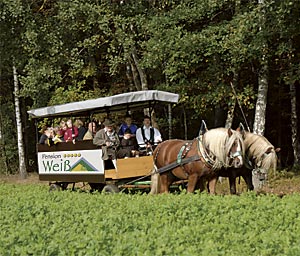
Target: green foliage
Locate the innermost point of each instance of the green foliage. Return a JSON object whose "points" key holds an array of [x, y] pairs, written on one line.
{"points": [[37, 222], [73, 50], [72, 94], [9, 138]]}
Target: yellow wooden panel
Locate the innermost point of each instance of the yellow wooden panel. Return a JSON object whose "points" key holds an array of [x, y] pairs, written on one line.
{"points": [[131, 167]]}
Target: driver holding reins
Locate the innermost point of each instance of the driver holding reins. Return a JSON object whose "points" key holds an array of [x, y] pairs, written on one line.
{"points": [[147, 137]]}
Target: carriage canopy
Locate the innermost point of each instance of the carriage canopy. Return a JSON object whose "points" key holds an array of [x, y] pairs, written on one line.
{"points": [[138, 99]]}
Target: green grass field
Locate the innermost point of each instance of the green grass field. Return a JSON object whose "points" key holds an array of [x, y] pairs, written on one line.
{"points": [[36, 222]]}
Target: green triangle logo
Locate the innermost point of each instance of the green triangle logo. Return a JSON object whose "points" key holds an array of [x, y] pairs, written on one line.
{"points": [[82, 166]]}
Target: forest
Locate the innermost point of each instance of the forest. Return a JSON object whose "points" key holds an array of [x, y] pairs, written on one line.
{"points": [[231, 62]]}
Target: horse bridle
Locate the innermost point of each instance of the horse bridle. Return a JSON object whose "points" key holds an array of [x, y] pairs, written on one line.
{"points": [[234, 155], [207, 158]]}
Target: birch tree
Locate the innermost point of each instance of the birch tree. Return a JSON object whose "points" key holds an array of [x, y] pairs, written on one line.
{"points": [[261, 103], [22, 164]]}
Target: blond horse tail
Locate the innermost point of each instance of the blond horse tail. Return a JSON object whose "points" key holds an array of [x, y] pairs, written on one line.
{"points": [[155, 181]]}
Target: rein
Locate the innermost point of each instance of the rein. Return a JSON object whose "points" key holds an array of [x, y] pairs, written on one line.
{"points": [[253, 165], [181, 158]]}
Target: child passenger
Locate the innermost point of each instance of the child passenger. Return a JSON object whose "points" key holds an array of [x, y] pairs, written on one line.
{"points": [[71, 132], [128, 146]]}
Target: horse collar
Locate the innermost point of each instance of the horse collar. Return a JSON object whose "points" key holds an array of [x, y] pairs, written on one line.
{"points": [[203, 153]]}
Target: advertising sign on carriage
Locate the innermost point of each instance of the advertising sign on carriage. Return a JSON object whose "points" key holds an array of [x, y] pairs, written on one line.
{"points": [[64, 162]]}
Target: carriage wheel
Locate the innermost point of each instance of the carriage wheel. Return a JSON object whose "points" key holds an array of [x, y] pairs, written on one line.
{"points": [[111, 189], [96, 186], [55, 187], [64, 185]]}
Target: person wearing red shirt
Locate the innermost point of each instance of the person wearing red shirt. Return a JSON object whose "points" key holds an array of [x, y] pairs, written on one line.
{"points": [[71, 132]]}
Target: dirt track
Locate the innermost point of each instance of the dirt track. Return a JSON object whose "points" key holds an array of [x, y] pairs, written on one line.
{"points": [[282, 184]]}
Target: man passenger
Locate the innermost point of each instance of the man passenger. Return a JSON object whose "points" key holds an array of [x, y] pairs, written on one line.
{"points": [[127, 125], [147, 137], [109, 141]]}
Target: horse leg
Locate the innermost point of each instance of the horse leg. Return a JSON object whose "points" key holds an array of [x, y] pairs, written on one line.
{"points": [[201, 184], [247, 176], [211, 186], [165, 183], [192, 181], [155, 182], [232, 184]]}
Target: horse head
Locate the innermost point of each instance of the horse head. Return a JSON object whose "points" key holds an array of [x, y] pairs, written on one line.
{"points": [[236, 148], [261, 154], [225, 146]]}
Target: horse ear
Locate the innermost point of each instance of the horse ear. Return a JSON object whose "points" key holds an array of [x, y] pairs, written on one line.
{"points": [[203, 128], [277, 150], [241, 130], [229, 132], [241, 127], [269, 149]]}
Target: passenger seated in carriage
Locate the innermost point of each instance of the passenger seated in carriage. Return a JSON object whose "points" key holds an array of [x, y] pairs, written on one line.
{"points": [[107, 138], [147, 137], [127, 125], [81, 129], [89, 135], [128, 146], [49, 136], [70, 132], [46, 134]]}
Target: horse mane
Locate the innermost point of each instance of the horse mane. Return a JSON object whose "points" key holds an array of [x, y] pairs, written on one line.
{"points": [[256, 148], [218, 143]]}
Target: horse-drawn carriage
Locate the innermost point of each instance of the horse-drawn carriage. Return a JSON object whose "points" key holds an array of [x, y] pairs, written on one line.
{"points": [[217, 152], [67, 163]]}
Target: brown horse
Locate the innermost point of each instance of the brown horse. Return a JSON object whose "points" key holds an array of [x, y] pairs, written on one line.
{"points": [[191, 160], [260, 156]]}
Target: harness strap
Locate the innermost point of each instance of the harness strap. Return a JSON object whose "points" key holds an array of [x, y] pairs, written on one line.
{"points": [[173, 165], [187, 148]]}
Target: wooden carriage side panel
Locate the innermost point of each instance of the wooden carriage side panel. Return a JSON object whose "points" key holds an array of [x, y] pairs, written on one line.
{"points": [[131, 167]]}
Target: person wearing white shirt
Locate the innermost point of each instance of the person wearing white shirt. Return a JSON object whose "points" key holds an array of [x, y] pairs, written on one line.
{"points": [[147, 136]]}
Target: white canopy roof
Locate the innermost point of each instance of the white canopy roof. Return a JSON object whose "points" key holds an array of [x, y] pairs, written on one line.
{"points": [[131, 100]]}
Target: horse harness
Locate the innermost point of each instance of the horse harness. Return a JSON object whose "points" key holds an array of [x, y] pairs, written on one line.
{"points": [[255, 166], [183, 160]]}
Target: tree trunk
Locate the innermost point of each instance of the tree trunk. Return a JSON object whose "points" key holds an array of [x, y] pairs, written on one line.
{"points": [[143, 84], [170, 120], [142, 74], [294, 121], [135, 75], [230, 115], [261, 103], [153, 120], [22, 165], [185, 124], [94, 66], [129, 77]]}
